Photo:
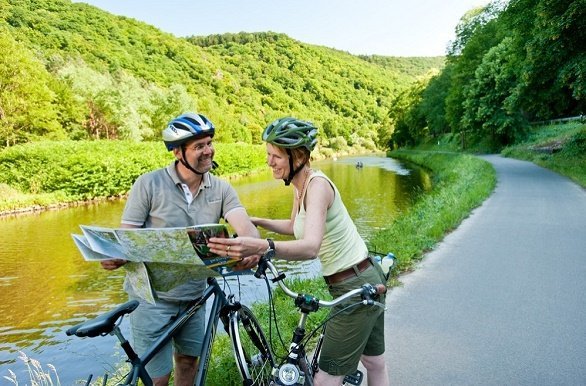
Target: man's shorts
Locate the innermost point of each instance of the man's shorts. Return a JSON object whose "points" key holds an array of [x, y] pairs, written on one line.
{"points": [[354, 332], [147, 323]]}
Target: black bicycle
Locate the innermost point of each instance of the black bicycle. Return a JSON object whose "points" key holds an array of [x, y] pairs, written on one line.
{"points": [[297, 367], [252, 352]]}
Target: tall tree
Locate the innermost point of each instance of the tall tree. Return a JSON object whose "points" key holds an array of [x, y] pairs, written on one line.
{"points": [[27, 108], [488, 111], [552, 36]]}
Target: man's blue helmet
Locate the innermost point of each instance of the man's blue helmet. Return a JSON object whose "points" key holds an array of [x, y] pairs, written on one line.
{"points": [[186, 127]]}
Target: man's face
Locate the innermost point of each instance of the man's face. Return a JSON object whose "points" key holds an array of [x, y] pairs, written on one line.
{"points": [[199, 154]]}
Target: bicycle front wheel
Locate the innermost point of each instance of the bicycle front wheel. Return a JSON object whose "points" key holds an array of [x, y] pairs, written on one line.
{"points": [[252, 351]]}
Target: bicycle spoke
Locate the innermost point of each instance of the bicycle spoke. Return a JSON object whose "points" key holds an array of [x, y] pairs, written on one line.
{"points": [[253, 355]]}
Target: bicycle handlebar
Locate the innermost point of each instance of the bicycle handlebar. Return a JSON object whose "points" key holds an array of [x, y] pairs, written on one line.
{"points": [[366, 292]]}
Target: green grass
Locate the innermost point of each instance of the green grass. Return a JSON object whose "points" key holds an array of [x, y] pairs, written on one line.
{"points": [[461, 183], [561, 148]]}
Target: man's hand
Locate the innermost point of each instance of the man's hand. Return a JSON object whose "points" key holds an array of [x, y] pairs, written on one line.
{"points": [[247, 263], [112, 264]]}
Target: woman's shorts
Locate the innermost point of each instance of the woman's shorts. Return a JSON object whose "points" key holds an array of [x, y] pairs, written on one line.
{"points": [[356, 331]]}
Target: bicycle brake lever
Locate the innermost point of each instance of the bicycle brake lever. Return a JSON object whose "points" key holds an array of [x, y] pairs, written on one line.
{"points": [[278, 278], [369, 291], [261, 268]]}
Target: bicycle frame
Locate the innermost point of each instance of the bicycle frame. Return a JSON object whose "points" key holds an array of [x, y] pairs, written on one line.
{"points": [[107, 324], [297, 369]]}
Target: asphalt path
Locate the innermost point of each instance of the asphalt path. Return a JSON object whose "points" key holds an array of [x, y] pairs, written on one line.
{"points": [[502, 299]]}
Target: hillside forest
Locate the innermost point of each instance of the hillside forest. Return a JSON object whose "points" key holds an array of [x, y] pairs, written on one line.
{"points": [[512, 64], [70, 71]]}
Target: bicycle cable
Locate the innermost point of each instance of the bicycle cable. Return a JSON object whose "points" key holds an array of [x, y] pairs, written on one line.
{"points": [[320, 326]]}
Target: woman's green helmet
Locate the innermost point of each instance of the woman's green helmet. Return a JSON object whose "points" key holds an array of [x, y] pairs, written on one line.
{"points": [[291, 133]]}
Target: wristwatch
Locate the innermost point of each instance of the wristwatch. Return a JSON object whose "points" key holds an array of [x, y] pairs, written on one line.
{"points": [[270, 252]]}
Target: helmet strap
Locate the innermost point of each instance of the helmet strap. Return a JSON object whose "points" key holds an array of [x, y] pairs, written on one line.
{"points": [[184, 162], [292, 172]]}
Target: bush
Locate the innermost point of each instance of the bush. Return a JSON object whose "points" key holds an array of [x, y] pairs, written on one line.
{"points": [[50, 172]]}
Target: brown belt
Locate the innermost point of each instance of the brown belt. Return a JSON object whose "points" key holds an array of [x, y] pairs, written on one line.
{"points": [[349, 272]]}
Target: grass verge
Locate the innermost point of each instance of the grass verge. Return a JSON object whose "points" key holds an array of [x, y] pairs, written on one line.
{"points": [[461, 183], [561, 148]]}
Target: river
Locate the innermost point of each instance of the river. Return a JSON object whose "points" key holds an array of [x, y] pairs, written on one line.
{"points": [[47, 287]]}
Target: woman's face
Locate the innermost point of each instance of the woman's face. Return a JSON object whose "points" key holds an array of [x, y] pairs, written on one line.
{"points": [[278, 161]]}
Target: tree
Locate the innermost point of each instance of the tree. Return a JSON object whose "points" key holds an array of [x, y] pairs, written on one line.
{"points": [[488, 111], [27, 109], [476, 34], [408, 117], [552, 37]]}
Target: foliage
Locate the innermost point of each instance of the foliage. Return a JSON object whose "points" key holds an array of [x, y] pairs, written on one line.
{"points": [[87, 74], [407, 116], [44, 173], [28, 105], [511, 63], [561, 148], [488, 110]]}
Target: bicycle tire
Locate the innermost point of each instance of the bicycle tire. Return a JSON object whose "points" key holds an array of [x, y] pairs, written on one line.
{"points": [[253, 354]]}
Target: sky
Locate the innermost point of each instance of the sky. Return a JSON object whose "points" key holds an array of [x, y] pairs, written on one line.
{"points": [[360, 27]]}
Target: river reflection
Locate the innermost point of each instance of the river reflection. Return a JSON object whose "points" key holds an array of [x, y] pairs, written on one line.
{"points": [[47, 287]]}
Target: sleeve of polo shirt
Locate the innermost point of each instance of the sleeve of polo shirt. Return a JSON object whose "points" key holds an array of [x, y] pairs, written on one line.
{"points": [[231, 200], [136, 210]]}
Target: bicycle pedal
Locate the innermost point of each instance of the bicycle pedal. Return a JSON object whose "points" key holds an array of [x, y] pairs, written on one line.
{"points": [[353, 379]]}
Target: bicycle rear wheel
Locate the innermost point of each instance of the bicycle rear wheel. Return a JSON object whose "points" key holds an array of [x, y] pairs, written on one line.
{"points": [[254, 357]]}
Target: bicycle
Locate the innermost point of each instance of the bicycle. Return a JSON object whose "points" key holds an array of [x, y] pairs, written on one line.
{"points": [[296, 368], [239, 322]]}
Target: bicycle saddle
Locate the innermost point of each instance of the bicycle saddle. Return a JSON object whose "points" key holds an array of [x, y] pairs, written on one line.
{"points": [[102, 324]]}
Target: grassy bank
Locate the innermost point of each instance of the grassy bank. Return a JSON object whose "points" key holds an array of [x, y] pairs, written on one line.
{"points": [[48, 174], [561, 148], [461, 183]]}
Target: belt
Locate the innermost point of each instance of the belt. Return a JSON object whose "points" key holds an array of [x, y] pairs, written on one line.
{"points": [[348, 272]]}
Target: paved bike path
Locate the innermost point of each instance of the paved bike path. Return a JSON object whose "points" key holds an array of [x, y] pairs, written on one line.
{"points": [[502, 300]]}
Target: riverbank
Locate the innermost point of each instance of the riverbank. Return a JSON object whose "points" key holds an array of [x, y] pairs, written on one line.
{"points": [[55, 175], [461, 183]]}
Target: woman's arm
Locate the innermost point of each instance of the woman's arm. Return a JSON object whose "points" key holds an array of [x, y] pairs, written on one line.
{"points": [[318, 198], [283, 227]]}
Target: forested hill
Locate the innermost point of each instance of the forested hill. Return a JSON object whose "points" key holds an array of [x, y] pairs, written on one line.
{"points": [[72, 71]]}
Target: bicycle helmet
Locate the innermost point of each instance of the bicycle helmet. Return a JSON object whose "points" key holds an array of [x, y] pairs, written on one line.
{"points": [[186, 127], [291, 133]]}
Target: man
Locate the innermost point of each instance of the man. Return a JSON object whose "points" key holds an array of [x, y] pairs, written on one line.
{"points": [[182, 194]]}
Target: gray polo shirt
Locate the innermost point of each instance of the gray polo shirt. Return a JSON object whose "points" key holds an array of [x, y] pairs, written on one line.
{"points": [[157, 200]]}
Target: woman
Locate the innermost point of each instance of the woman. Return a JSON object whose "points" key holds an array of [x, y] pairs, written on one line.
{"points": [[322, 227]]}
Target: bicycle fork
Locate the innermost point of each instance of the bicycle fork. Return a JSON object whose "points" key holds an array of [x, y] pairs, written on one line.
{"points": [[354, 379]]}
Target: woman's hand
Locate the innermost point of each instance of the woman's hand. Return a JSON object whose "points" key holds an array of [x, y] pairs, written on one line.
{"points": [[245, 249]]}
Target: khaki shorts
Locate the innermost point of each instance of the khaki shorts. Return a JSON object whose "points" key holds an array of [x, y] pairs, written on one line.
{"points": [[354, 332], [147, 323]]}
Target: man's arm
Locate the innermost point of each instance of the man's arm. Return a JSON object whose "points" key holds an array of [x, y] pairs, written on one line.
{"points": [[243, 226], [239, 220]]}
